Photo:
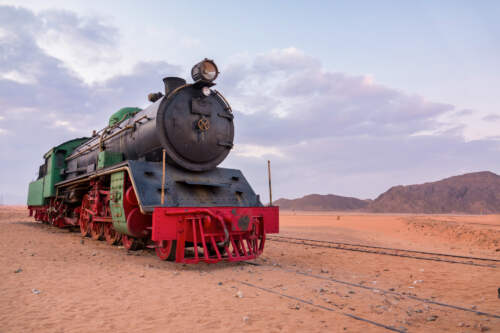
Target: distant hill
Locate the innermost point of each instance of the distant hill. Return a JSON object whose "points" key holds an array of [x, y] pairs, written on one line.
{"points": [[473, 193], [322, 202]]}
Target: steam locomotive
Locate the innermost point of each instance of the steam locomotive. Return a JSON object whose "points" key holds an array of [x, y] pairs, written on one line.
{"points": [[150, 178]]}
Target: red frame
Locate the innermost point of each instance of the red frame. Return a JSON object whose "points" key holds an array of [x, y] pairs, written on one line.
{"points": [[223, 233], [239, 231], [40, 213]]}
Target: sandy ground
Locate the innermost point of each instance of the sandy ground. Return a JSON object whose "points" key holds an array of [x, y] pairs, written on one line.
{"points": [[53, 281]]}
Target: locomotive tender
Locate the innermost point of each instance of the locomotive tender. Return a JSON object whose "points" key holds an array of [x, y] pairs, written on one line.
{"points": [[150, 178]]}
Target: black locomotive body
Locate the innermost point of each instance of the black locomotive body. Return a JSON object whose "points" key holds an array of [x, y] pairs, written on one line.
{"points": [[151, 178]]}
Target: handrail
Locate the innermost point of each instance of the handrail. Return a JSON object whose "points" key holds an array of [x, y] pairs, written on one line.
{"points": [[104, 138], [101, 141], [103, 131]]}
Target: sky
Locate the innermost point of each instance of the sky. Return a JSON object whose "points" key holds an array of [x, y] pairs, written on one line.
{"points": [[348, 98]]}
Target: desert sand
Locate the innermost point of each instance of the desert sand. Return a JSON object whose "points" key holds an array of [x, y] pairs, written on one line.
{"points": [[52, 280]]}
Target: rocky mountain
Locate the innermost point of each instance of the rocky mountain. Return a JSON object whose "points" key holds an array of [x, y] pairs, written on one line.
{"points": [[322, 202], [473, 193]]}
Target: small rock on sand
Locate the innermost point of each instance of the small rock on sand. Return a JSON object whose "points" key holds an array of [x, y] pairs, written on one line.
{"points": [[239, 294], [19, 270], [432, 318], [35, 291]]}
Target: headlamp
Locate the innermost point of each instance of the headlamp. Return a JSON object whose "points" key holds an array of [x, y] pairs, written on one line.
{"points": [[205, 70]]}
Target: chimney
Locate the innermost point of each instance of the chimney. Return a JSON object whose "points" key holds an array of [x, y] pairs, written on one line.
{"points": [[171, 83]]}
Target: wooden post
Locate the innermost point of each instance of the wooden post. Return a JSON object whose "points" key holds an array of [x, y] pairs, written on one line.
{"points": [[163, 180], [270, 188]]}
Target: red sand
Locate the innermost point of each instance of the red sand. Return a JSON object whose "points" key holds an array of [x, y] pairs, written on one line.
{"points": [[95, 287]]}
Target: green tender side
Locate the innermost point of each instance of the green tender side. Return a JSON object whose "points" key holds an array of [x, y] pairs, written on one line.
{"points": [[35, 193], [116, 202], [122, 114], [50, 177], [107, 158], [55, 162], [43, 188]]}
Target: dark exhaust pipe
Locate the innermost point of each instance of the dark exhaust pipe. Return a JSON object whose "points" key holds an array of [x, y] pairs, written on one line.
{"points": [[172, 83]]}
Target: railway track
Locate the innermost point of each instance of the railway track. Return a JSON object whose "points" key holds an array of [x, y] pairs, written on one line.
{"points": [[473, 223], [412, 254], [360, 286], [327, 308], [378, 290]]}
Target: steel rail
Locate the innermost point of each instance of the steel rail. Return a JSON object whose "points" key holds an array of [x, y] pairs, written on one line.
{"points": [[382, 291], [389, 248], [344, 246], [387, 327], [340, 247], [471, 223]]}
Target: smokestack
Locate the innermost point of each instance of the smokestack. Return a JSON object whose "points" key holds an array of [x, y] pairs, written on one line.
{"points": [[171, 83]]}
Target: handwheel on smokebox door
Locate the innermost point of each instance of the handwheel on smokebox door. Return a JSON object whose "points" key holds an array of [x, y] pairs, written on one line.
{"points": [[112, 236], [85, 217], [166, 249], [131, 243], [96, 230]]}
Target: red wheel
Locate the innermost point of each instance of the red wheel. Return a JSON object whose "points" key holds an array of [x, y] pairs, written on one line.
{"points": [[166, 250], [112, 236], [85, 217], [45, 217], [131, 243], [97, 230], [130, 197]]}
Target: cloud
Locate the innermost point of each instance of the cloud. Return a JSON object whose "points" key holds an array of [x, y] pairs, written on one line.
{"points": [[491, 117], [334, 132], [257, 151], [365, 166], [44, 103], [325, 132], [18, 77], [465, 112], [83, 44], [292, 99]]}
